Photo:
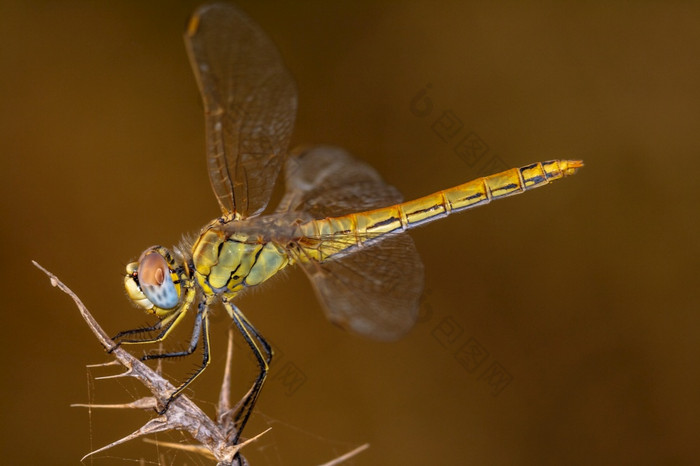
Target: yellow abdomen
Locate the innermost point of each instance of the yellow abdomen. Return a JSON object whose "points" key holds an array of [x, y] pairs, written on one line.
{"points": [[337, 234]]}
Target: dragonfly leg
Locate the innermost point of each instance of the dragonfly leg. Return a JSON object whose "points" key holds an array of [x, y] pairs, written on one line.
{"points": [[161, 324], [201, 329], [152, 328], [196, 332], [263, 357], [167, 324]]}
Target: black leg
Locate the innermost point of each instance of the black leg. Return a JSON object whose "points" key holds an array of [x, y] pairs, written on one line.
{"points": [[166, 324], [249, 333], [201, 327], [124, 333], [266, 346], [196, 331], [152, 328]]}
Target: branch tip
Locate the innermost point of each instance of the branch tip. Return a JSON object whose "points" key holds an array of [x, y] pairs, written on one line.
{"points": [[182, 414]]}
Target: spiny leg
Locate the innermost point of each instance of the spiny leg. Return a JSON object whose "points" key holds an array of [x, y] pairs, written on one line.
{"points": [[164, 324], [196, 331], [261, 340], [152, 328], [201, 328], [249, 332], [171, 321], [167, 324], [257, 388]]}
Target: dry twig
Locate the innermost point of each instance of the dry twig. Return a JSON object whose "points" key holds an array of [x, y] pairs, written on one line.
{"points": [[213, 437]]}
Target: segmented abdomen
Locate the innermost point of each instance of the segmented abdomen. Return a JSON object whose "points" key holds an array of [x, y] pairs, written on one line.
{"points": [[331, 236]]}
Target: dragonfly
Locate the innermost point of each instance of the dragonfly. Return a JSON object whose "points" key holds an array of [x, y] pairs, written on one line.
{"points": [[337, 219]]}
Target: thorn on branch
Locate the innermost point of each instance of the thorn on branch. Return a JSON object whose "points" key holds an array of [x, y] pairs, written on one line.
{"points": [[183, 414]]}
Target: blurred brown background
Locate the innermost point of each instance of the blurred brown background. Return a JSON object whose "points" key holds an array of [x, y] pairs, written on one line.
{"points": [[579, 299]]}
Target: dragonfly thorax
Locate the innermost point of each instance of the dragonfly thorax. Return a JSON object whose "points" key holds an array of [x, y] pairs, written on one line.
{"points": [[227, 262]]}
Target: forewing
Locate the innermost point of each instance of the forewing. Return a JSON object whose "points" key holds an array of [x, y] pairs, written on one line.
{"points": [[374, 289], [250, 102]]}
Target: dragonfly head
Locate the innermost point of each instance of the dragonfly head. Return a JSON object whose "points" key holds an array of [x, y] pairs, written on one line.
{"points": [[155, 281]]}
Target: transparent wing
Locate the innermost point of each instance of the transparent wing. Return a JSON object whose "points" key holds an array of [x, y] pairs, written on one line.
{"points": [[373, 290], [326, 181], [250, 102]]}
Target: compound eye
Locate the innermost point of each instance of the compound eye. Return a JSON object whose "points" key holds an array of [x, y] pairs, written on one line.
{"points": [[156, 281]]}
